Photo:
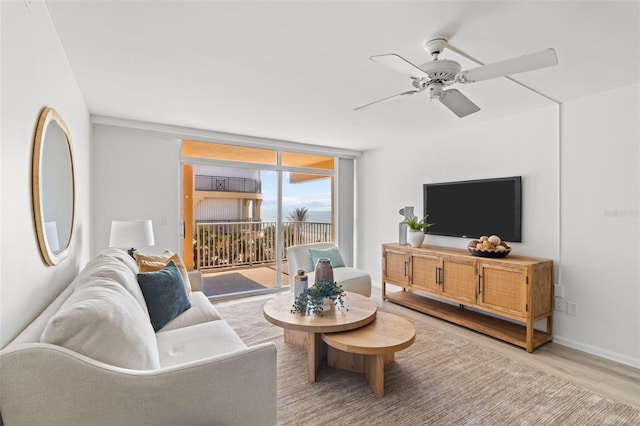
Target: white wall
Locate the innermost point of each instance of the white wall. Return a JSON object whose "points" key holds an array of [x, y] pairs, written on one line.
{"points": [[596, 150], [136, 175], [521, 145], [35, 74], [600, 224], [219, 209]]}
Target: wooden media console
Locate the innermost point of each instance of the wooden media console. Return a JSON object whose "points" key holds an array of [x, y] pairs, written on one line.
{"points": [[517, 291]]}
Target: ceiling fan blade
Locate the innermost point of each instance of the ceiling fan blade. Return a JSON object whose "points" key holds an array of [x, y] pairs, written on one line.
{"points": [[458, 103], [410, 92], [398, 63], [543, 59]]}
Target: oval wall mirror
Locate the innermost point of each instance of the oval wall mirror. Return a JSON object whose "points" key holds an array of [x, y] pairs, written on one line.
{"points": [[53, 186]]}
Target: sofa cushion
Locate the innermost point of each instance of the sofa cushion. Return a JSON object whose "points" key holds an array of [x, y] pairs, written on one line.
{"points": [[110, 267], [155, 262], [333, 254], [196, 342], [164, 293], [122, 257], [201, 311], [103, 321]]}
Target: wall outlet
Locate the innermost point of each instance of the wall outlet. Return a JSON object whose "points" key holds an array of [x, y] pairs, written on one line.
{"points": [[571, 308], [558, 304]]}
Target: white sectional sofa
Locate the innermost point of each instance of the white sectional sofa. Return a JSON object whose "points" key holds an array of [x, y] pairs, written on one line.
{"points": [[351, 279], [109, 367]]}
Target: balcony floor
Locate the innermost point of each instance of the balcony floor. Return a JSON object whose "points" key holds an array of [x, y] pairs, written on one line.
{"points": [[242, 280]]}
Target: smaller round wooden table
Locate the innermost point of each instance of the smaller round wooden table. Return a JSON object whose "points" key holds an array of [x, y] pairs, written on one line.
{"points": [[305, 330], [368, 349]]}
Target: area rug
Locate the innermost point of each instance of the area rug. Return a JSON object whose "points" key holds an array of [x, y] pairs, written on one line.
{"points": [[440, 380], [228, 283]]}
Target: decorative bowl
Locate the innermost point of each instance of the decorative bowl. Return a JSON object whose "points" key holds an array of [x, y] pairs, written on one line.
{"points": [[489, 253]]}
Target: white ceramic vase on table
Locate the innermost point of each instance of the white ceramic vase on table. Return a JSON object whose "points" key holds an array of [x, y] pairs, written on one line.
{"points": [[327, 304], [415, 237]]}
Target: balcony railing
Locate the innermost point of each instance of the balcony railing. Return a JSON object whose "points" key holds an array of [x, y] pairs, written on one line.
{"points": [[223, 245], [227, 184]]}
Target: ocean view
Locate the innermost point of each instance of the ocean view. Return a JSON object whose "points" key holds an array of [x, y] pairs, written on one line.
{"points": [[320, 216]]}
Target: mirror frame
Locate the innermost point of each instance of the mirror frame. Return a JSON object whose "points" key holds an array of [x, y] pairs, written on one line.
{"points": [[47, 117]]}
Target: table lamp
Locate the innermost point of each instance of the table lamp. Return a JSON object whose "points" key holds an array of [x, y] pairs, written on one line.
{"points": [[131, 233]]}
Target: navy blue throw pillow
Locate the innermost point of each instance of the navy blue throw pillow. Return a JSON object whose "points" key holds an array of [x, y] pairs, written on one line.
{"points": [[164, 293]]}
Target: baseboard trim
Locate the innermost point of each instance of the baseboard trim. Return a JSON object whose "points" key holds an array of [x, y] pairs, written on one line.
{"points": [[573, 344], [600, 352]]}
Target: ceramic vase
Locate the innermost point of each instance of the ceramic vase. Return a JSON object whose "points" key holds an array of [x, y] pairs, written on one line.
{"points": [[415, 238], [324, 271], [300, 283]]}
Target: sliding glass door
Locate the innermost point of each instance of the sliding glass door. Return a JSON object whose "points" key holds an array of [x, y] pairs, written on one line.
{"points": [[243, 207]]}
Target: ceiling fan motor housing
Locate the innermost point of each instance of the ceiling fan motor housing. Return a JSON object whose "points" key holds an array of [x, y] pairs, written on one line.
{"points": [[442, 70]]}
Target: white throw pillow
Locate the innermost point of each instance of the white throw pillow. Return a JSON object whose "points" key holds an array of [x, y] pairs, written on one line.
{"points": [[104, 322]]}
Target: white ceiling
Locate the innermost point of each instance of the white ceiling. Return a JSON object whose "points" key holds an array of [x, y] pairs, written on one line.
{"points": [[295, 70]]}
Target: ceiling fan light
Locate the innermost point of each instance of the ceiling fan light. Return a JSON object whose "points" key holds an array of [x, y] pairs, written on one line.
{"points": [[436, 91]]}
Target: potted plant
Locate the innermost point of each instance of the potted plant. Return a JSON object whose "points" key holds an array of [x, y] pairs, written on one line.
{"points": [[312, 299], [415, 234]]}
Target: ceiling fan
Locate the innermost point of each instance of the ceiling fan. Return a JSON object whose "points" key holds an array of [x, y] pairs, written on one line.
{"points": [[434, 76]]}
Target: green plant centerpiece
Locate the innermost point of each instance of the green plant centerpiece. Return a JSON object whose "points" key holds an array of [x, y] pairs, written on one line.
{"points": [[310, 300], [417, 225]]}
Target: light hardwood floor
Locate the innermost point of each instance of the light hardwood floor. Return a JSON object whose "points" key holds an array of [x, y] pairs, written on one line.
{"points": [[609, 378]]}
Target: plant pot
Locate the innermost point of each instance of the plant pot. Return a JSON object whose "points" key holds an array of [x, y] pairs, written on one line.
{"points": [[415, 238], [327, 304]]}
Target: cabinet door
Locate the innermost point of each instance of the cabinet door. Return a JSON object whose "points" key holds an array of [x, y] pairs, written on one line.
{"points": [[503, 288], [459, 279], [423, 273], [396, 267]]}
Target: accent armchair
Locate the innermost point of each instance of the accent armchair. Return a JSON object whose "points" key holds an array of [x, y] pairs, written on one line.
{"points": [[351, 279]]}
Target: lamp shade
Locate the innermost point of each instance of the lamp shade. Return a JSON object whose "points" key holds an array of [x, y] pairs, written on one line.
{"points": [[131, 233]]}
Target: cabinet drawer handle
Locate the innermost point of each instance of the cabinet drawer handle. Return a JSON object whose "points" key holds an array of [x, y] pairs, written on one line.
{"points": [[406, 264]]}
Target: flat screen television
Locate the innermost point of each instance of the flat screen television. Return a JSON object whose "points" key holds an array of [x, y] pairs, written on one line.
{"points": [[473, 208]]}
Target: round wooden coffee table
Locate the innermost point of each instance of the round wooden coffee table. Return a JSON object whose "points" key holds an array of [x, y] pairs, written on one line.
{"points": [[306, 330], [368, 349]]}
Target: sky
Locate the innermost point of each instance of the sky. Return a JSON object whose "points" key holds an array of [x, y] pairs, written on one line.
{"points": [[314, 195]]}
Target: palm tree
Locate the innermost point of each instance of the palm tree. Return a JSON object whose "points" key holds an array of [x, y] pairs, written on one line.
{"points": [[298, 215]]}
